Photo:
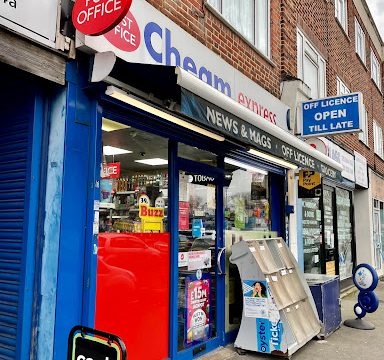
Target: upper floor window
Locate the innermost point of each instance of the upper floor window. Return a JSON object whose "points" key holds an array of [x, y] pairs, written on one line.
{"points": [[378, 139], [375, 69], [360, 41], [341, 87], [363, 135], [341, 13], [250, 18], [310, 66]]}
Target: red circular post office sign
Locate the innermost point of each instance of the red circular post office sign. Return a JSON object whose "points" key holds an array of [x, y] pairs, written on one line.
{"points": [[96, 17]]}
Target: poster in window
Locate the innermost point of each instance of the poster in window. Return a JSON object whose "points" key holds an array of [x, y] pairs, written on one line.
{"points": [[106, 190], [183, 215], [198, 317], [344, 233]]}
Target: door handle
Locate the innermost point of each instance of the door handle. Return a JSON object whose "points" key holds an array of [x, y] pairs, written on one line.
{"points": [[220, 271]]}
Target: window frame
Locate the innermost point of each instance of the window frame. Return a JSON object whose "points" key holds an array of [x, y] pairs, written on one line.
{"points": [[359, 31], [375, 61], [341, 14], [363, 135], [342, 89], [378, 139], [218, 11], [304, 48]]}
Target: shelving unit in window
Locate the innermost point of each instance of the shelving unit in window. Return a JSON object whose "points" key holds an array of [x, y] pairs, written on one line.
{"points": [[119, 206]]}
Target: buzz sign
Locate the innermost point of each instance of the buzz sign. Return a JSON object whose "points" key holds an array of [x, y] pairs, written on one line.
{"points": [[332, 115], [90, 344], [309, 184]]}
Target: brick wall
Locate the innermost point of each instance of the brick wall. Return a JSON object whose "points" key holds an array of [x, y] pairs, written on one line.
{"points": [[210, 30], [317, 20]]}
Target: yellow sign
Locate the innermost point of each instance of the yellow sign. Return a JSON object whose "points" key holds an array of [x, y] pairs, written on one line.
{"points": [[309, 179], [152, 218]]}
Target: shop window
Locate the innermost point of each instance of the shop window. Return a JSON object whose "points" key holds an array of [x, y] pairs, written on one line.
{"points": [[378, 139], [246, 199], [377, 232], [133, 241], [250, 18], [312, 237], [363, 135], [360, 41], [310, 66], [342, 89], [341, 13], [344, 233], [197, 242], [381, 246], [247, 214], [329, 231], [134, 163], [375, 70]]}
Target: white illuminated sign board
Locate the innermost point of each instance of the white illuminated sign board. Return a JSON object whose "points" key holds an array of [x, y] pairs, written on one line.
{"points": [[35, 19]]}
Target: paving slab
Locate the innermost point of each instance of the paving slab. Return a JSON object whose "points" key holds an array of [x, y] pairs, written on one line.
{"points": [[344, 344]]}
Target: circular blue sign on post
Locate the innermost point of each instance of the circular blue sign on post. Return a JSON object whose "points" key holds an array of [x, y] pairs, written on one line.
{"points": [[368, 300], [365, 277]]}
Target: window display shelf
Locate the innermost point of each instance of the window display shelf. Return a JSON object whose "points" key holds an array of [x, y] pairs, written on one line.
{"points": [[107, 205]]}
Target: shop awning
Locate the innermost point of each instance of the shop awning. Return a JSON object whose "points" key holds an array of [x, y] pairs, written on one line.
{"points": [[214, 111]]}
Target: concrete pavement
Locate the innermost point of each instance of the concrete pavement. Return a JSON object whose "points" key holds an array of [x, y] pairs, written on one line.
{"points": [[345, 343]]}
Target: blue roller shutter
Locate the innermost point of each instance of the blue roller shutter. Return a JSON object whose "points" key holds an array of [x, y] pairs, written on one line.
{"points": [[16, 120]]}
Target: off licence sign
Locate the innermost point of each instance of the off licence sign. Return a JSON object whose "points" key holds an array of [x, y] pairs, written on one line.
{"points": [[332, 115], [96, 17]]}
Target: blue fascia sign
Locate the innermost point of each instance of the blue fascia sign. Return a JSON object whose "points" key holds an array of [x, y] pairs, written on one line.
{"points": [[332, 115]]}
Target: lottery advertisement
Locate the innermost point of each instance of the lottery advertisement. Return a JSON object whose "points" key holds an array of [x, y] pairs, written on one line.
{"points": [[198, 309]]}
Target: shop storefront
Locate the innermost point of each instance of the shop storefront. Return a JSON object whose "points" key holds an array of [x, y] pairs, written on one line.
{"points": [[175, 191], [175, 220], [179, 171], [328, 220]]}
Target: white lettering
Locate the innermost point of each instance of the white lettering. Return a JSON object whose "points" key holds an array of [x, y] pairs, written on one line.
{"points": [[96, 11]]}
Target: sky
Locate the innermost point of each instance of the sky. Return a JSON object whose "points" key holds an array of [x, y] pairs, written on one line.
{"points": [[377, 11]]}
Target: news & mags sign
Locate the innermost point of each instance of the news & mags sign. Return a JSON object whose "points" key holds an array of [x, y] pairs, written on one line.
{"points": [[332, 115]]}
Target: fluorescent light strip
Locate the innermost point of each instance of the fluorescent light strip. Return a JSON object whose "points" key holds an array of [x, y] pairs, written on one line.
{"points": [[273, 159], [123, 96], [110, 125], [244, 166], [153, 162], [111, 150]]}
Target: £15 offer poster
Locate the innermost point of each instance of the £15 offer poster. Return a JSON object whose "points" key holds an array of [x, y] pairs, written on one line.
{"points": [[198, 299]]}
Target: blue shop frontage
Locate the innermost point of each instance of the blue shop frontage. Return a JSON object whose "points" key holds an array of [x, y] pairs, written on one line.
{"points": [[162, 173], [32, 96]]}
